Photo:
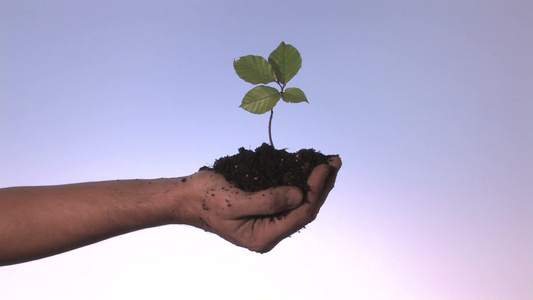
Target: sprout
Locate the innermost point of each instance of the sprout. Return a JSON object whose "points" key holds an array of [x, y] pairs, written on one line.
{"points": [[282, 65]]}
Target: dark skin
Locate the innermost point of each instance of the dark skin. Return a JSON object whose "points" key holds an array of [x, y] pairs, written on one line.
{"points": [[37, 222]]}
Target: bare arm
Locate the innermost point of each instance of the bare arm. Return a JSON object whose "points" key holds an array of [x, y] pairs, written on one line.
{"points": [[36, 222], [40, 221]]}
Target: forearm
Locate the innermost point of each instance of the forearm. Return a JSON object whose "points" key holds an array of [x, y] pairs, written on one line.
{"points": [[40, 221]]}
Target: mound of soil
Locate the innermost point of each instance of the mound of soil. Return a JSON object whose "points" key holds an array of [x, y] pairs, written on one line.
{"points": [[268, 167]]}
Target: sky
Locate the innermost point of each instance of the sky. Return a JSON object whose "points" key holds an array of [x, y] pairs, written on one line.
{"points": [[428, 103]]}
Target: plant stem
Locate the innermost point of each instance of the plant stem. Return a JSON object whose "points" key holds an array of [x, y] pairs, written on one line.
{"points": [[282, 86], [270, 128]]}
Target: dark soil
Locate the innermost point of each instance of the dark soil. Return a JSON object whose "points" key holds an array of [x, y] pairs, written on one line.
{"points": [[267, 167]]}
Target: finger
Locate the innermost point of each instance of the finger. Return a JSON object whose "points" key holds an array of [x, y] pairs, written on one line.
{"points": [[335, 164], [268, 233], [316, 181], [300, 216], [321, 182], [267, 203]]}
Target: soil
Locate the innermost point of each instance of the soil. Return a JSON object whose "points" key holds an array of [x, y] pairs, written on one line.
{"points": [[268, 167]]}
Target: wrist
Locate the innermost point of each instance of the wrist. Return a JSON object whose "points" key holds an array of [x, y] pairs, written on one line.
{"points": [[185, 204], [170, 200]]}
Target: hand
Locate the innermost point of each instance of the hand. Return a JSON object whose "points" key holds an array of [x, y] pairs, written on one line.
{"points": [[259, 221]]}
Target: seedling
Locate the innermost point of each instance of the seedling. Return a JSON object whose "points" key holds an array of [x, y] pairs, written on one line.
{"points": [[282, 65]]}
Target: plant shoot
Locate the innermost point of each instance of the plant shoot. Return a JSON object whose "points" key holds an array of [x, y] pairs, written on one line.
{"points": [[282, 65]]}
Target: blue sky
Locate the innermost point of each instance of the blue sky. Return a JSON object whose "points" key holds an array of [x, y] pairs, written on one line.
{"points": [[429, 104]]}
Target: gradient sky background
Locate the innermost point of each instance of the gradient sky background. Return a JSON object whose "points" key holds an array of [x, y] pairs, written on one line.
{"points": [[429, 104]]}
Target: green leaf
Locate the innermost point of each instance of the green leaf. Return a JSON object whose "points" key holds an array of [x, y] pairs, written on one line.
{"points": [[260, 99], [286, 61], [254, 69], [294, 95]]}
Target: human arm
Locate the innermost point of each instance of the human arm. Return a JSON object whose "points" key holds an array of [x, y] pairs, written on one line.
{"points": [[36, 222]]}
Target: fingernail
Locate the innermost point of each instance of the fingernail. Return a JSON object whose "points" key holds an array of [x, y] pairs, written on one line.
{"points": [[294, 197]]}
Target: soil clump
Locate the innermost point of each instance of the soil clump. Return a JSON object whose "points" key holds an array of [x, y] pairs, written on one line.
{"points": [[268, 167]]}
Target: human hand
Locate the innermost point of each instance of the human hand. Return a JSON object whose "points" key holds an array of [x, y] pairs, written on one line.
{"points": [[259, 221]]}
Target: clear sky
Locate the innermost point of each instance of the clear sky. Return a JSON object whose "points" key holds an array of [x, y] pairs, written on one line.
{"points": [[428, 103]]}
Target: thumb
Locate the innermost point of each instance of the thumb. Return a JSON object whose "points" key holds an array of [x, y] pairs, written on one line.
{"points": [[293, 198], [272, 201]]}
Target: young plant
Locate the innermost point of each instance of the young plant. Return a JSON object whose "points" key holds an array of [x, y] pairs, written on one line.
{"points": [[282, 65]]}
